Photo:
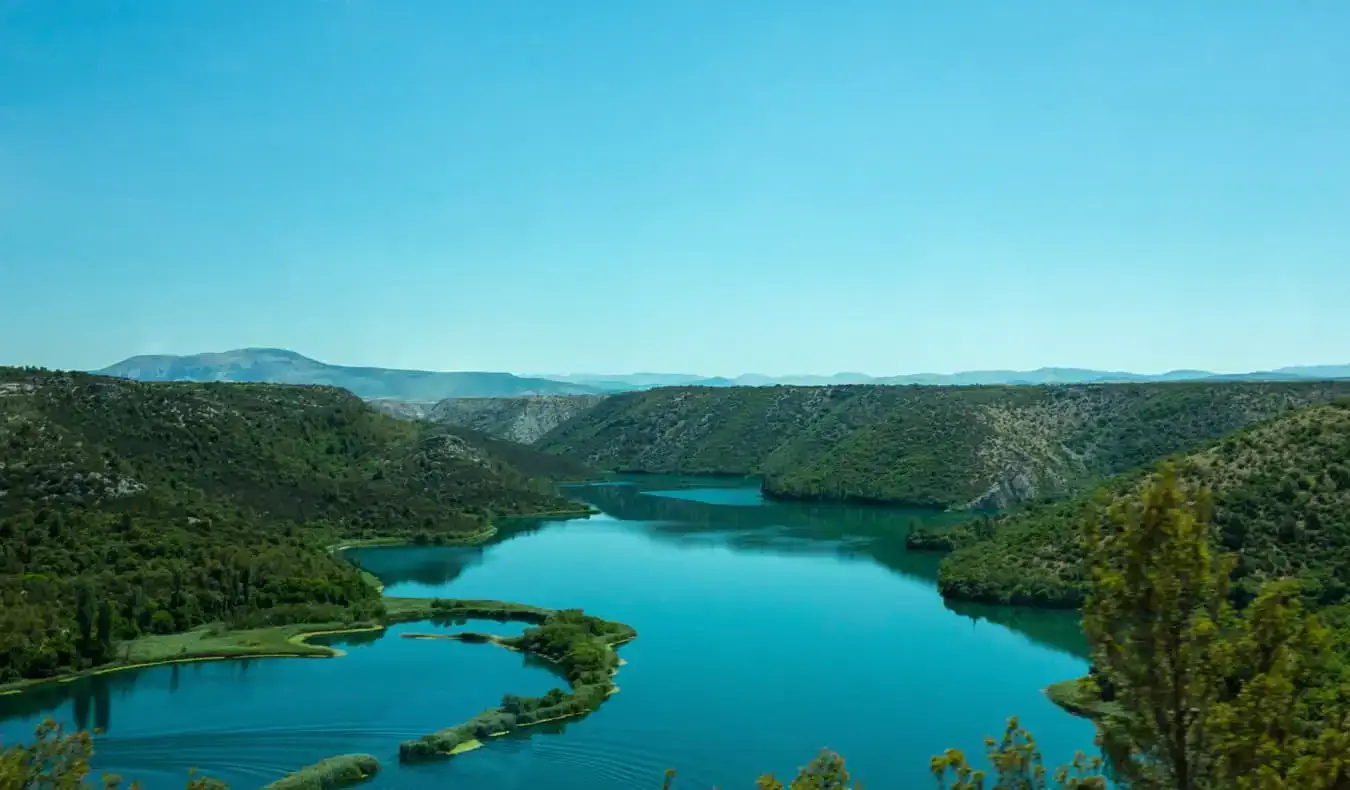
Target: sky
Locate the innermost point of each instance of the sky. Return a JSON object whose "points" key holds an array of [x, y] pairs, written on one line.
{"points": [[678, 185]]}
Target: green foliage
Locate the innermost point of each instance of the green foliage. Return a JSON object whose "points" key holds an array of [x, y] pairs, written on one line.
{"points": [[130, 508], [920, 445], [1017, 765], [342, 770], [825, 772], [952, 538], [1281, 502], [1208, 697], [56, 760]]}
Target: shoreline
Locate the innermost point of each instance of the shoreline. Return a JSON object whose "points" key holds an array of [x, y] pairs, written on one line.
{"points": [[291, 641], [281, 641], [466, 539], [299, 640]]}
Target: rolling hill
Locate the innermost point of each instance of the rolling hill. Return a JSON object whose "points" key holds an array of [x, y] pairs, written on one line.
{"points": [[931, 446]]}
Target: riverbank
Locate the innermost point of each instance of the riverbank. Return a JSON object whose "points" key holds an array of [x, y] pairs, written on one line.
{"points": [[213, 643], [1080, 697], [464, 539], [209, 643]]}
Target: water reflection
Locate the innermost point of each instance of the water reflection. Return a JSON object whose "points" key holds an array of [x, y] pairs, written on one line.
{"points": [[700, 511], [690, 512], [1055, 629]]}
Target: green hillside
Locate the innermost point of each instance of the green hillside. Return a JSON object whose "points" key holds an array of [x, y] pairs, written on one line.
{"points": [[1281, 498], [128, 507], [935, 446]]}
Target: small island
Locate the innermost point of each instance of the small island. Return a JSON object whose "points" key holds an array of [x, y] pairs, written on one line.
{"points": [[343, 770], [579, 646]]}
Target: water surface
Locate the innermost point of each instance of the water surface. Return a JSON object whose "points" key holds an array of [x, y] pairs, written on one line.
{"points": [[766, 632]]}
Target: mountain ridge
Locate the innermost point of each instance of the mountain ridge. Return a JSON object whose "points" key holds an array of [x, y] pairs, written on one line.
{"points": [[282, 366], [1042, 375], [934, 446]]}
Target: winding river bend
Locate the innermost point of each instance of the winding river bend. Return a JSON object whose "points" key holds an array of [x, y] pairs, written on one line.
{"points": [[766, 631]]}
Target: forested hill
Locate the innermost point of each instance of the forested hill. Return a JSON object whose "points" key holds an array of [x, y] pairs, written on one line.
{"points": [[1281, 499], [129, 507], [940, 446]]}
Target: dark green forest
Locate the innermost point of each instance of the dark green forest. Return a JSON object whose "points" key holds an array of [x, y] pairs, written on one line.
{"points": [[129, 508], [961, 447]]}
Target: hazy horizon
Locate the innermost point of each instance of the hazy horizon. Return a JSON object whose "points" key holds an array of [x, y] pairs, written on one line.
{"points": [[717, 187], [600, 374]]}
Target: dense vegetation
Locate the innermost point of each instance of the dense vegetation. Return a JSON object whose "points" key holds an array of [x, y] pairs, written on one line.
{"points": [[130, 508], [930, 446], [1281, 496], [344, 770], [582, 649]]}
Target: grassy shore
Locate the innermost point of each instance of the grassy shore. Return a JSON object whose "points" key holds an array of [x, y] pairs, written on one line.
{"points": [[213, 643], [1081, 698]]}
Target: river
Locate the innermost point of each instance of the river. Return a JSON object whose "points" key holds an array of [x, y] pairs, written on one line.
{"points": [[766, 630]]}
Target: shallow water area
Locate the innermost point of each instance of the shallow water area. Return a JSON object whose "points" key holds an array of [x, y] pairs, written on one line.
{"points": [[766, 630]]}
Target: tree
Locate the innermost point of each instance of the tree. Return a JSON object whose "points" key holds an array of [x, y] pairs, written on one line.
{"points": [[104, 635], [57, 760], [1209, 697], [1017, 766], [86, 612], [826, 772]]}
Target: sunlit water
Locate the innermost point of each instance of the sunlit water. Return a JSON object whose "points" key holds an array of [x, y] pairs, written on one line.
{"points": [[766, 632]]}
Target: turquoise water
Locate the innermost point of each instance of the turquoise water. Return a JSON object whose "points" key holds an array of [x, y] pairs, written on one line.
{"points": [[766, 632]]}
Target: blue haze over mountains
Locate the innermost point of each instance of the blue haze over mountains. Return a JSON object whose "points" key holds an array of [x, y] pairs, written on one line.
{"points": [[288, 367]]}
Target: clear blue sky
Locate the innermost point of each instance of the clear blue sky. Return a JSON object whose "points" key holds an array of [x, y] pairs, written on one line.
{"points": [[682, 185]]}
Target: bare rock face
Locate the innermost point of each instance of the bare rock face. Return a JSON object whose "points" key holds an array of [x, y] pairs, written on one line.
{"points": [[523, 420], [403, 409], [1013, 488]]}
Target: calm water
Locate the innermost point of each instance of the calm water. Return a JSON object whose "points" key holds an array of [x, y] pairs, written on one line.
{"points": [[766, 631]]}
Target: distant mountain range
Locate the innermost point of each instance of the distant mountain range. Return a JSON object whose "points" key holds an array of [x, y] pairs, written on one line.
{"points": [[278, 366], [623, 382], [287, 367]]}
